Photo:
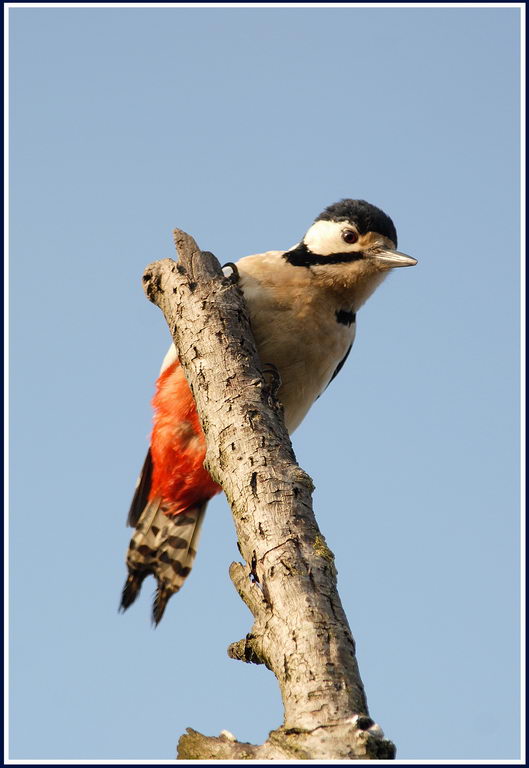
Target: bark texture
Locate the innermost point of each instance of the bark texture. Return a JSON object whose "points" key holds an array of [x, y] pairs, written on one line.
{"points": [[288, 580]]}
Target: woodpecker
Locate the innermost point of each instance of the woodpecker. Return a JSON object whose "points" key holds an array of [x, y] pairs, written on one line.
{"points": [[302, 304]]}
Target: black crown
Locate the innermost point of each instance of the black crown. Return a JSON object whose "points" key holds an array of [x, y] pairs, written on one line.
{"points": [[366, 217]]}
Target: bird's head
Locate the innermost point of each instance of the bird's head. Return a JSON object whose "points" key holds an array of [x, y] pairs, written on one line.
{"points": [[350, 242], [349, 231]]}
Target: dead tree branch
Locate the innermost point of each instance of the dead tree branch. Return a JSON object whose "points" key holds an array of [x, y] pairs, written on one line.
{"points": [[300, 630]]}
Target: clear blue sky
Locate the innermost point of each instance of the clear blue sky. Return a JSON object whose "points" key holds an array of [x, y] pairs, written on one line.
{"points": [[240, 126]]}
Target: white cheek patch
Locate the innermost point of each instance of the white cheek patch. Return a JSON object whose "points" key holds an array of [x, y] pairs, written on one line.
{"points": [[325, 238]]}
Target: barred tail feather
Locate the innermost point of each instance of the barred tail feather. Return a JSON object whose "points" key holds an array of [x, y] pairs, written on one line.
{"points": [[164, 547]]}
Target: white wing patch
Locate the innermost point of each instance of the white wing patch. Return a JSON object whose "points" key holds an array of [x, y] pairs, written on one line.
{"points": [[169, 359]]}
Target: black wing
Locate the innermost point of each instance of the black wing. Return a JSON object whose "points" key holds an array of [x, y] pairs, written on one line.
{"points": [[141, 493], [339, 366]]}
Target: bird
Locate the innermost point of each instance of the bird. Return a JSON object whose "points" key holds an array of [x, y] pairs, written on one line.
{"points": [[302, 304]]}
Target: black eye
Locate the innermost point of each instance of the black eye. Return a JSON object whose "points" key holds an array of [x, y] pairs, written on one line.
{"points": [[349, 236]]}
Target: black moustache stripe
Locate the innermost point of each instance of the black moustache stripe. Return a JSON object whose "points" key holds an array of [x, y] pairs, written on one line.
{"points": [[302, 257]]}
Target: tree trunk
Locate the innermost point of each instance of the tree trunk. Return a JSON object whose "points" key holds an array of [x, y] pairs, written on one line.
{"points": [[288, 581]]}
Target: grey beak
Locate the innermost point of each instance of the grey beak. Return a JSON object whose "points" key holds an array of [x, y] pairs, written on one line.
{"points": [[391, 258]]}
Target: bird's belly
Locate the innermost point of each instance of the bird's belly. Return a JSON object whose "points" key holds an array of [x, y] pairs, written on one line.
{"points": [[306, 359]]}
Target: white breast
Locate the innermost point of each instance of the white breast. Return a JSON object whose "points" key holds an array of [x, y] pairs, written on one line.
{"points": [[295, 328]]}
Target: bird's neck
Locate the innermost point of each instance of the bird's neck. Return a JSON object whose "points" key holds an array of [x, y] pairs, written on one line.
{"points": [[301, 256], [347, 277]]}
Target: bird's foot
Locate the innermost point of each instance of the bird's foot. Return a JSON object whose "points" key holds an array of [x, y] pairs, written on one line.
{"points": [[273, 378], [233, 276]]}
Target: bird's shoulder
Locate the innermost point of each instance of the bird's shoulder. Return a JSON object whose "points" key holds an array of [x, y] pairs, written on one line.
{"points": [[270, 270], [261, 264]]}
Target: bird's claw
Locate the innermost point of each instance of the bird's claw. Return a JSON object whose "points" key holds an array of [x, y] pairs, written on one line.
{"points": [[273, 377], [233, 277]]}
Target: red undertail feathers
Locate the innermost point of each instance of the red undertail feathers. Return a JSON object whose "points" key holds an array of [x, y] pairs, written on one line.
{"points": [[170, 499]]}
